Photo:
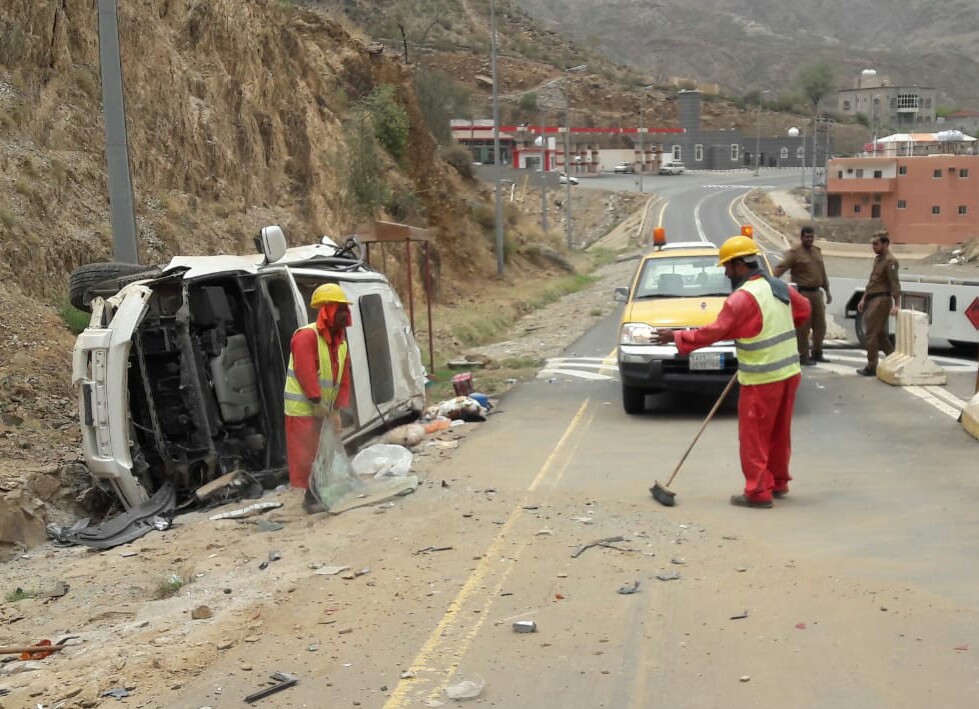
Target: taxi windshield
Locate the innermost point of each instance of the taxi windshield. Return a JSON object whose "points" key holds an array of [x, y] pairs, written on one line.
{"points": [[691, 276]]}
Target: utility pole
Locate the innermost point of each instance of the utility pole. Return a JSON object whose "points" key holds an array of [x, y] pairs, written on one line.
{"points": [[567, 166], [642, 129], [815, 142], [496, 146], [543, 170], [758, 131], [122, 204]]}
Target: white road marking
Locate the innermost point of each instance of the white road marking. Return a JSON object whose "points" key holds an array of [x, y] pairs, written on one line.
{"points": [[574, 374], [696, 218], [739, 187], [923, 394]]}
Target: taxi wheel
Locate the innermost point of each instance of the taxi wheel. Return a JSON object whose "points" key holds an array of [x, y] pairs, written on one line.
{"points": [[633, 399]]}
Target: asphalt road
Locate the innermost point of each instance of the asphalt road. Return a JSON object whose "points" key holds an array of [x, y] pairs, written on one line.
{"points": [[856, 591]]}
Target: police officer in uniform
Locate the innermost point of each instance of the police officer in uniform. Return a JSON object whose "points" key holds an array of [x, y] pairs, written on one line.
{"points": [[880, 300], [807, 270]]}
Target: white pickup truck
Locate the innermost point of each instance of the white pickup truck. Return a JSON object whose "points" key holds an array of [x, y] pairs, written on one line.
{"points": [[952, 305]]}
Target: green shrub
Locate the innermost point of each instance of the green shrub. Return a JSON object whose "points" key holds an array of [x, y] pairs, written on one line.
{"points": [[360, 164], [389, 119], [76, 320], [441, 98]]}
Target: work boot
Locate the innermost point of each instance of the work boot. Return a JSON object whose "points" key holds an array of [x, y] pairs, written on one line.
{"points": [[779, 494], [868, 371], [818, 357], [742, 501]]}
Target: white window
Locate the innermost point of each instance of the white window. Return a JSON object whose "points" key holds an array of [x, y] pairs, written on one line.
{"points": [[783, 153], [677, 153], [800, 152], [936, 209], [963, 209], [902, 204], [734, 152], [698, 153]]}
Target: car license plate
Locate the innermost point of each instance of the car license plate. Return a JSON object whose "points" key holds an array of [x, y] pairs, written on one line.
{"points": [[706, 360]]}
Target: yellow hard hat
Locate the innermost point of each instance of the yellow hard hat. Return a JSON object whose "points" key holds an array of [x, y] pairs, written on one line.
{"points": [[737, 247], [328, 293]]}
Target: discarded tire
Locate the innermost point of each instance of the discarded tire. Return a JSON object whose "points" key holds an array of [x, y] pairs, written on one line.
{"points": [[84, 278]]}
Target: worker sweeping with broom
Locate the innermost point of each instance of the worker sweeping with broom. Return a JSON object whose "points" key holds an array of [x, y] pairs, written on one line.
{"points": [[760, 316]]}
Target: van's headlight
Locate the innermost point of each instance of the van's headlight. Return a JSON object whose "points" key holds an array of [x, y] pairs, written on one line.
{"points": [[637, 333]]}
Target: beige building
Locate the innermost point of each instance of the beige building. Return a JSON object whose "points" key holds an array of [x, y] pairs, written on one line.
{"points": [[887, 108]]}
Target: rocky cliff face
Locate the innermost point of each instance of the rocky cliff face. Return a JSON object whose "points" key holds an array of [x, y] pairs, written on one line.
{"points": [[235, 113]]}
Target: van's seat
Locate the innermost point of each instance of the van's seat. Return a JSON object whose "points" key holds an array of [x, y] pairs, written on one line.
{"points": [[234, 381]]}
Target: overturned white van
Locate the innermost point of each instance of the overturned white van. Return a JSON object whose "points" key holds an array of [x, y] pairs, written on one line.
{"points": [[180, 373]]}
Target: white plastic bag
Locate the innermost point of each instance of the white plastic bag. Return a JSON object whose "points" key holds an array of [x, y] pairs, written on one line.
{"points": [[466, 689], [382, 460]]}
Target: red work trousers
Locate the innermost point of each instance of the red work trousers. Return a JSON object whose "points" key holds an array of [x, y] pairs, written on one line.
{"points": [[765, 432], [302, 441]]}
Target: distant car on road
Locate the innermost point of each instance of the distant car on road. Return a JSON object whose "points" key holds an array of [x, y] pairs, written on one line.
{"points": [[565, 178], [672, 167], [624, 167]]}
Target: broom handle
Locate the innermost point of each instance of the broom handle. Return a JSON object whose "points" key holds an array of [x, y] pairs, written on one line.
{"points": [[717, 405]]}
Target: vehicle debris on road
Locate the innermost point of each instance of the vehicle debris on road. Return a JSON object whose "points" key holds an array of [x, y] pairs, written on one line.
{"points": [[282, 680], [466, 689], [629, 588], [243, 512], [598, 542], [524, 626]]}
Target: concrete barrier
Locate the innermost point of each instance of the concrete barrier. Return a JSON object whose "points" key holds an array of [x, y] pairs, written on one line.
{"points": [[970, 417], [909, 365]]}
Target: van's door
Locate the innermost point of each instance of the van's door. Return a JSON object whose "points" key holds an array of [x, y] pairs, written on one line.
{"points": [[278, 312]]}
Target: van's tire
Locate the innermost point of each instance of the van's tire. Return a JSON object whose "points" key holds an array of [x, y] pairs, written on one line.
{"points": [[85, 277], [967, 348], [633, 399]]}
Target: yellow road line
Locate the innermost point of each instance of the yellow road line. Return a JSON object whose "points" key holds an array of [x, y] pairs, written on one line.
{"points": [[662, 210], [400, 696]]}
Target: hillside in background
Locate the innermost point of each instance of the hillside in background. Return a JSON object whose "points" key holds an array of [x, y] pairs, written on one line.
{"points": [[760, 44]]}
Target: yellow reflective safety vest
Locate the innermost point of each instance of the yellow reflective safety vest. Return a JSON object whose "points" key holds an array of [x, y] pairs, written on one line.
{"points": [[296, 402], [772, 355]]}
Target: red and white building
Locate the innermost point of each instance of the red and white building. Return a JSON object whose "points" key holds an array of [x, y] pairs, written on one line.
{"points": [[528, 146]]}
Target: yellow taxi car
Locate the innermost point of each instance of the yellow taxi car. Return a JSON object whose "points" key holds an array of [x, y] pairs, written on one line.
{"points": [[677, 286]]}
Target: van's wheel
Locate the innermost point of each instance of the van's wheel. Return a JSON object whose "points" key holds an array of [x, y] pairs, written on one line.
{"points": [[85, 277], [633, 399], [968, 348]]}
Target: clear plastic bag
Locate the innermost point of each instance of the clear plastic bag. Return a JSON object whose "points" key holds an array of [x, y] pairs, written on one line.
{"points": [[382, 460], [333, 476]]}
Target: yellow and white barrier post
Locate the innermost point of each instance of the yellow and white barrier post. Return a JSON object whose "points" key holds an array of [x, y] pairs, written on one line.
{"points": [[970, 416], [909, 365]]}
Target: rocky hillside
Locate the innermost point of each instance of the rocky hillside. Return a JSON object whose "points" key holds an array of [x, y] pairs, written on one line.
{"points": [[236, 115], [759, 44]]}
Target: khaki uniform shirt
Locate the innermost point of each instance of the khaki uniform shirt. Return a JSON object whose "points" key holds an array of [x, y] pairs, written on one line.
{"points": [[806, 267], [883, 276]]}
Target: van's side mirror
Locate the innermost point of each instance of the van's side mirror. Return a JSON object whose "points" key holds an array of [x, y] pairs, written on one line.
{"points": [[272, 242], [621, 295]]}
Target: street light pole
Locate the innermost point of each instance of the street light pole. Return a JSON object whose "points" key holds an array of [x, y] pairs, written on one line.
{"points": [[496, 145]]}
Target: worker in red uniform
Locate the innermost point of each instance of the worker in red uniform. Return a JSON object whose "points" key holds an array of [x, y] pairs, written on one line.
{"points": [[760, 316], [318, 379]]}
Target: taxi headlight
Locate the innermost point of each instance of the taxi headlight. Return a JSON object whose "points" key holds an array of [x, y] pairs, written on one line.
{"points": [[636, 333]]}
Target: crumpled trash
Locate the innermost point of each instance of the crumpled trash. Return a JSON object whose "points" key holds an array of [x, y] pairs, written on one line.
{"points": [[381, 460], [118, 693], [409, 435], [466, 689], [243, 512], [463, 408]]}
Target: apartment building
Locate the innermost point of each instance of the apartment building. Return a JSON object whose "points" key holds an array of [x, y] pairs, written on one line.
{"points": [[931, 199]]}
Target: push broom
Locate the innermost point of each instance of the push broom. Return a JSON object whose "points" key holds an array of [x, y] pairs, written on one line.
{"points": [[662, 493]]}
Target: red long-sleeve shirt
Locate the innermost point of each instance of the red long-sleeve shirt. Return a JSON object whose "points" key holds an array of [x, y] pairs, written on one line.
{"points": [[739, 318], [306, 363]]}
